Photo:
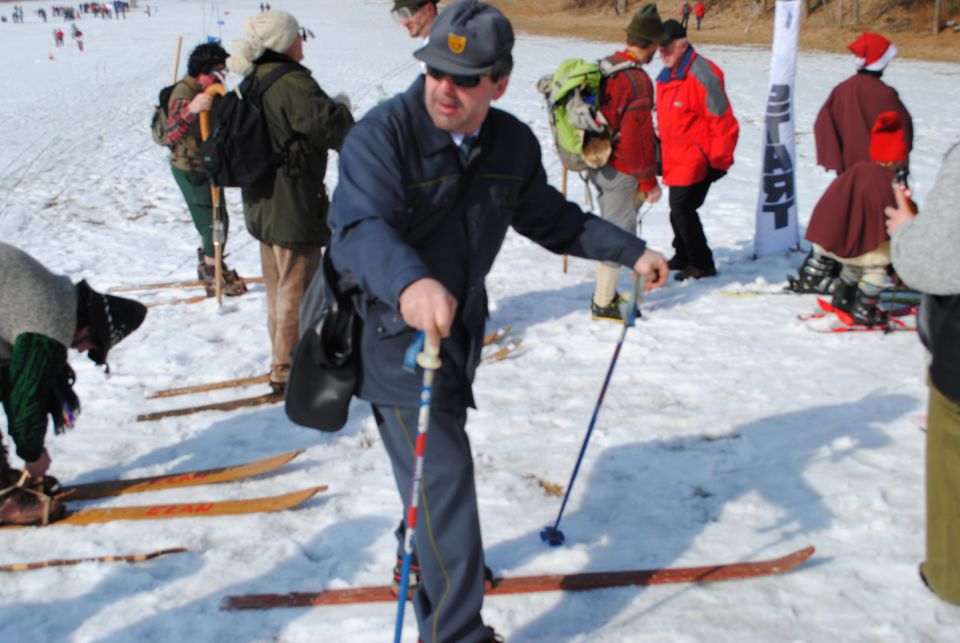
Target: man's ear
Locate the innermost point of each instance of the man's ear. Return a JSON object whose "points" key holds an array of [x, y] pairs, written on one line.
{"points": [[500, 87]]}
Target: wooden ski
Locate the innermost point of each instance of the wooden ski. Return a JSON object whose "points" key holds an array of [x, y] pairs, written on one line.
{"points": [[229, 405], [214, 386], [188, 283], [131, 558], [184, 510], [501, 353], [178, 302], [91, 490], [496, 335], [527, 584]]}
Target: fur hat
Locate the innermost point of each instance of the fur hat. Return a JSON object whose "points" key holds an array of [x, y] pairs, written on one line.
{"points": [[109, 319], [873, 51], [886, 139], [273, 30], [646, 24]]}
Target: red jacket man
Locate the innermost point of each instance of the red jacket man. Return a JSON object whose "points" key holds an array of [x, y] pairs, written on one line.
{"points": [[842, 128], [698, 132]]}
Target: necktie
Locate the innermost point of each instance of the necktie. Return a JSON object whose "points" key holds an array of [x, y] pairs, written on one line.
{"points": [[466, 149]]}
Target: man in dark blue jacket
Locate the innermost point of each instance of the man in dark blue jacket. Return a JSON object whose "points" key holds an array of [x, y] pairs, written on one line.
{"points": [[438, 157]]}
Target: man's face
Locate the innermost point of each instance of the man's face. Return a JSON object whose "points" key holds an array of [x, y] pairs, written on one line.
{"points": [[672, 53], [418, 24], [295, 52], [460, 109], [646, 54]]}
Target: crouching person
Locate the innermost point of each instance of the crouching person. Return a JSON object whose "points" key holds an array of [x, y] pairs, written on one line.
{"points": [[42, 315], [848, 227]]}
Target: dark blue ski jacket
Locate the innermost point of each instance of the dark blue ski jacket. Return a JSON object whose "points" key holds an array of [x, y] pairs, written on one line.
{"points": [[396, 169]]}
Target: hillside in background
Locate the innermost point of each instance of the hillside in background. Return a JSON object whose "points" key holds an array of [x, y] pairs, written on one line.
{"points": [[908, 23]]}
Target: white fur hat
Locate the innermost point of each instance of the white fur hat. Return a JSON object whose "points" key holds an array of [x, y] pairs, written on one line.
{"points": [[273, 30]]}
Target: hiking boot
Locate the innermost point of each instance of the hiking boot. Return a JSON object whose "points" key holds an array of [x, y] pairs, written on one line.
{"points": [[233, 285], [816, 275], [414, 581], [866, 310], [692, 272], [616, 310], [677, 263], [843, 296], [21, 506], [44, 484]]}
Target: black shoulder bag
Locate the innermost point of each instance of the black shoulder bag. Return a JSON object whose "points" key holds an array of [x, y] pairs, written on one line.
{"points": [[325, 372]]}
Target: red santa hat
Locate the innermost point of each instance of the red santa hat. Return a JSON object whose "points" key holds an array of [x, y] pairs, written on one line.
{"points": [[886, 139], [873, 51]]}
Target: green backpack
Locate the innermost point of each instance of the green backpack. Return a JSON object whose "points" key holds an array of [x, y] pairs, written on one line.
{"points": [[581, 134]]}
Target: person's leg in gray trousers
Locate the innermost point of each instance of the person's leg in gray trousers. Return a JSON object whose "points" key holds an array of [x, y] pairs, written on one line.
{"points": [[617, 194], [447, 539]]}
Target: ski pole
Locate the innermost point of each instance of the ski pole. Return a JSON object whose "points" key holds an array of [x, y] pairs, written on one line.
{"points": [[219, 235], [553, 535], [429, 360]]}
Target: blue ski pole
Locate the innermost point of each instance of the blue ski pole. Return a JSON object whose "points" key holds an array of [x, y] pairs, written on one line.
{"points": [[553, 535], [429, 359]]}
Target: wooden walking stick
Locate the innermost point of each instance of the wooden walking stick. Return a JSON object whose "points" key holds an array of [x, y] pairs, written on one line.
{"points": [[219, 234], [176, 58]]}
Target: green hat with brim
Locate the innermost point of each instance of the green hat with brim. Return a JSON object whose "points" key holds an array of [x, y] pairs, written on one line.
{"points": [[646, 24]]}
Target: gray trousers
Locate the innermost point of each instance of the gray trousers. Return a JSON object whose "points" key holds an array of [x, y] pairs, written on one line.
{"points": [[447, 539], [616, 193]]}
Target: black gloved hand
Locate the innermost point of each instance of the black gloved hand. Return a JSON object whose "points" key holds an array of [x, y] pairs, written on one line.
{"points": [[713, 174]]}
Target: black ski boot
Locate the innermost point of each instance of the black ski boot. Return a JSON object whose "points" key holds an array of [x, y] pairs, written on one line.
{"points": [[844, 295], [816, 275], [866, 310]]}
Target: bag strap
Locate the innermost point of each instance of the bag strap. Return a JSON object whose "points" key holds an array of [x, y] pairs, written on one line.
{"points": [[431, 222]]}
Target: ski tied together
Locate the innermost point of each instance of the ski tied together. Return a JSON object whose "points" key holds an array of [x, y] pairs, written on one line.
{"points": [[529, 584]]}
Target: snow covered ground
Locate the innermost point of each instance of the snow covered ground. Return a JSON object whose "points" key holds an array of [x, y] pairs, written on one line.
{"points": [[730, 432]]}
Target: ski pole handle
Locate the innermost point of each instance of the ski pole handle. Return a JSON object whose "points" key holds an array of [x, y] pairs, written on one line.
{"points": [[429, 357]]}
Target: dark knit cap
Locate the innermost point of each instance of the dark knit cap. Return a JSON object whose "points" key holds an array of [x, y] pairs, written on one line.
{"points": [[673, 30], [646, 24], [467, 37], [109, 318]]}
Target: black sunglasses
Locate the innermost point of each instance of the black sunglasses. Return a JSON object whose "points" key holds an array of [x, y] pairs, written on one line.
{"points": [[463, 81]]}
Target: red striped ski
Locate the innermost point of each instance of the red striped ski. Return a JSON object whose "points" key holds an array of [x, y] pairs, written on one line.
{"points": [[529, 584]]}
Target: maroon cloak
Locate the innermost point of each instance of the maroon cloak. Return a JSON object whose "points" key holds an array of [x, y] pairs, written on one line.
{"points": [[848, 220], [842, 128]]}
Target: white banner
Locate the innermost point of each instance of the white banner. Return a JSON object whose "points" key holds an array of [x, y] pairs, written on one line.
{"points": [[777, 228]]}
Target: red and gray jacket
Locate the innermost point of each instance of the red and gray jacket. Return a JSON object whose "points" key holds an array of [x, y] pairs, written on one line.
{"points": [[697, 127], [626, 101]]}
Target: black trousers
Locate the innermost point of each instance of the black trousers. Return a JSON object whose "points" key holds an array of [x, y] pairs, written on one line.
{"points": [[689, 241]]}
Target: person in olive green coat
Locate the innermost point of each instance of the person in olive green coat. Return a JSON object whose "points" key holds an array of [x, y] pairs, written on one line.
{"points": [[182, 130], [287, 211]]}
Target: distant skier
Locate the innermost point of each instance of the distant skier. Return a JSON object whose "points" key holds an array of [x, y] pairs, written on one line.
{"points": [[58, 37], [842, 127], [685, 14], [700, 10]]}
